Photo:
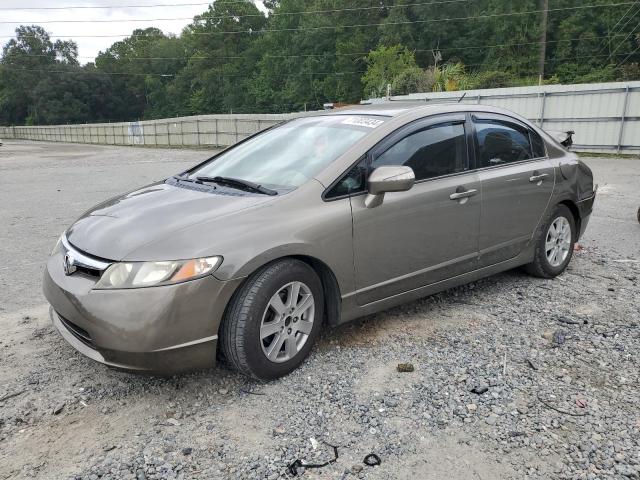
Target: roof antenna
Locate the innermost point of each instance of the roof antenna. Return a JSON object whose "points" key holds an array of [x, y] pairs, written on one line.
{"points": [[462, 97]]}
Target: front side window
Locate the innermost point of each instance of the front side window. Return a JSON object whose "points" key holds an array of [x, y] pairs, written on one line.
{"points": [[285, 157], [432, 152], [501, 142], [352, 182]]}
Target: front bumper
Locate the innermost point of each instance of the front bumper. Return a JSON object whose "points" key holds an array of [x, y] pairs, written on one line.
{"points": [[161, 330]]}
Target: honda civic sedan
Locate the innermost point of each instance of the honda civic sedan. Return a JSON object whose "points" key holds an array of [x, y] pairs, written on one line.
{"points": [[320, 220]]}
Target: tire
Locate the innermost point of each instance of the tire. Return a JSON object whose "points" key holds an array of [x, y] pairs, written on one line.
{"points": [[544, 264], [255, 306]]}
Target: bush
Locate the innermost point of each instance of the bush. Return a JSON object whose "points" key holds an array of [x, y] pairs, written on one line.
{"points": [[450, 77], [493, 79], [630, 71], [598, 75], [413, 80]]}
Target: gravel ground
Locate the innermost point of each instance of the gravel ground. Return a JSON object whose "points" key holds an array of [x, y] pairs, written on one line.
{"points": [[514, 378]]}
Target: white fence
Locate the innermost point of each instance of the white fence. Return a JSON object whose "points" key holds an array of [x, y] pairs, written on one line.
{"points": [[201, 130], [605, 117]]}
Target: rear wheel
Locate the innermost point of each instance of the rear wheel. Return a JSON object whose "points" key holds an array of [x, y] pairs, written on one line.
{"points": [[554, 247], [273, 320]]}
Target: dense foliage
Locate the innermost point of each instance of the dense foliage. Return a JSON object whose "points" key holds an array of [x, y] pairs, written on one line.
{"points": [[236, 58]]}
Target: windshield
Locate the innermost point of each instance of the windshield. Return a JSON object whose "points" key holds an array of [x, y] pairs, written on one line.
{"points": [[285, 157]]}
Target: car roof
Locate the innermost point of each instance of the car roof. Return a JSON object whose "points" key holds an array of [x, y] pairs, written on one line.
{"points": [[390, 109], [393, 109]]}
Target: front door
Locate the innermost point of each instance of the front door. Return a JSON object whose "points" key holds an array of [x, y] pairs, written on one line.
{"points": [[517, 182], [428, 233]]}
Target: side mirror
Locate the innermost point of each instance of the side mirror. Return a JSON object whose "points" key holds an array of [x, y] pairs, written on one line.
{"points": [[388, 179]]}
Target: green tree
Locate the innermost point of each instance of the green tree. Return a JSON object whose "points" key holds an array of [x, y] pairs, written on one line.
{"points": [[385, 64], [303, 53], [26, 60]]}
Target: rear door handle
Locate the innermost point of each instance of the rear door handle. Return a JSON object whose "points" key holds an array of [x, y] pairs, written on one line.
{"points": [[538, 178], [461, 195]]}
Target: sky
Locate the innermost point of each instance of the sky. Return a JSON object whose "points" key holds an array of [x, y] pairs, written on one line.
{"points": [[124, 16]]}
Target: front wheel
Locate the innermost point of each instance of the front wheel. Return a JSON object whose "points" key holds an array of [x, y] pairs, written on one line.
{"points": [[554, 245], [273, 320]]}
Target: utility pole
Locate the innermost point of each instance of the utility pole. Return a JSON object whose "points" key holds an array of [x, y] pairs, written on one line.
{"points": [[544, 7]]}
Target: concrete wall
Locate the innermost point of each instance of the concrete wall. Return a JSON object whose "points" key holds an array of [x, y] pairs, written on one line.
{"points": [[605, 117]]}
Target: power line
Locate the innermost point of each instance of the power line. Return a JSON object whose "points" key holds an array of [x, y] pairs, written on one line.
{"points": [[290, 74], [348, 54], [623, 16], [168, 75], [630, 33], [249, 15], [559, 59], [97, 7], [613, 29], [628, 56], [338, 27]]}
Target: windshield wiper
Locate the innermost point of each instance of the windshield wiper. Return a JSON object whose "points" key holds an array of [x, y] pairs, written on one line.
{"points": [[184, 179], [239, 184]]}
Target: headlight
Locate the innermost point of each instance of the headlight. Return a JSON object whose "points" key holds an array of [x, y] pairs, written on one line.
{"points": [[150, 274], [57, 247]]}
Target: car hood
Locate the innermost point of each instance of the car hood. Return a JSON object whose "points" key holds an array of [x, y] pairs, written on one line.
{"points": [[158, 212]]}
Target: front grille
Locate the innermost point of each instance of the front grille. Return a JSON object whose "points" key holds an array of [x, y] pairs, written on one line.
{"points": [[81, 262], [89, 271], [77, 332]]}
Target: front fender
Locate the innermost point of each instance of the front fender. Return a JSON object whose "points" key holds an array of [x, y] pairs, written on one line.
{"points": [[310, 227]]}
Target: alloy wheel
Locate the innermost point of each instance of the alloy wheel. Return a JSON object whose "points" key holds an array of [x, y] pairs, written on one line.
{"points": [[558, 241], [287, 322]]}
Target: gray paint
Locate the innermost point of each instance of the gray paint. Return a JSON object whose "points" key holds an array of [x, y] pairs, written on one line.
{"points": [[414, 243]]}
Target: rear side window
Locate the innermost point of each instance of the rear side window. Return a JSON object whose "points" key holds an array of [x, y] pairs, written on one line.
{"points": [[436, 151], [502, 142]]}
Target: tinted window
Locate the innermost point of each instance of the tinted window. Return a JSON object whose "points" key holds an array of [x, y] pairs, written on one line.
{"points": [[352, 182], [436, 151], [538, 145], [501, 143]]}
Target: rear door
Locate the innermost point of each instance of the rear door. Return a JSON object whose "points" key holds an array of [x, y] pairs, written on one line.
{"points": [[517, 181], [430, 232]]}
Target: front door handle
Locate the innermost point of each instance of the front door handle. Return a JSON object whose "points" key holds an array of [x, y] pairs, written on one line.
{"points": [[463, 195], [538, 178]]}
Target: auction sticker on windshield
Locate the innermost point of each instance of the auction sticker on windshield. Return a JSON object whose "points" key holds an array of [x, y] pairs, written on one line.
{"points": [[363, 122]]}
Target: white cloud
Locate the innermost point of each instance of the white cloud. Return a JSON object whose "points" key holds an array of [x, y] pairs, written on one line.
{"points": [[122, 23]]}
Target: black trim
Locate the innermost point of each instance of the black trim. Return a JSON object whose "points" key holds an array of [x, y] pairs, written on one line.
{"points": [[457, 120], [205, 188], [470, 130], [504, 119], [341, 177], [79, 333], [398, 135], [479, 116], [505, 165], [413, 127], [456, 174], [585, 206]]}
